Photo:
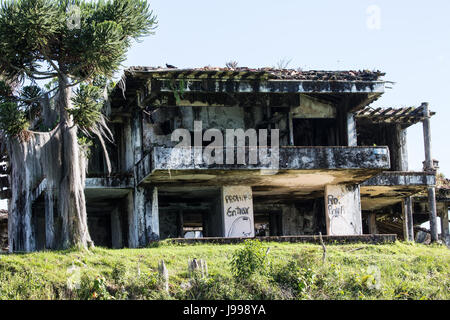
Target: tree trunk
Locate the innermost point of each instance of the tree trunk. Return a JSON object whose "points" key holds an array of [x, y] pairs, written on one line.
{"points": [[56, 157], [72, 204]]}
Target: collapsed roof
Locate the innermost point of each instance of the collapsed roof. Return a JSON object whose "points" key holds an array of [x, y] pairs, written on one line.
{"points": [[244, 87]]}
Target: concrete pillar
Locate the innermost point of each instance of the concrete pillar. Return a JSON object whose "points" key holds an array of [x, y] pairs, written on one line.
{"points": [[143, 216], [443, 214], [429, 167], [291, 128], [152, 215], [343, 210], [351, 130], [372, 221], [136, 136], [49, 221], [128, 160], [237, 211], [403, 149], [133, 241], [405, 216], [432, 213], [116, 229], [408, 223]]}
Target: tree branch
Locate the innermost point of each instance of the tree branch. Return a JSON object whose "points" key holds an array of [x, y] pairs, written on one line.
{"points": [[50, 61]]}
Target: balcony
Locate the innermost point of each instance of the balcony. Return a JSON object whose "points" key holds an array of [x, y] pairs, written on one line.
{"points": [[297, 169], [389, 188]]}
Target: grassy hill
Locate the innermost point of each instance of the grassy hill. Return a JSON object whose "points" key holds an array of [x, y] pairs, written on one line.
{"points": [[287, 271]]}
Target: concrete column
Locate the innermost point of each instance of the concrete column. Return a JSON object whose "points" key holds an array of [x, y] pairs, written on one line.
{"points": [[432, 213], [143, 216], [443, 214], [429, 167], [408, 219], [136, 136], [133, 241], [343, 210], [49, 221], [237, 211], [406, 236], [351, 130], [128, 160], [373, 223], [291, 128], [403, 149], [152, 215], [116, 229]]}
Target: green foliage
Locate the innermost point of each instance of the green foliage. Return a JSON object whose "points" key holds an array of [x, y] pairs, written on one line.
{"points": [[296, 272], [12, 119], [178, 91], [299, 278], [119, 273], [5, 91], [29, 100], [32, 31], [93, 289], [249, 259], [87, 106]]}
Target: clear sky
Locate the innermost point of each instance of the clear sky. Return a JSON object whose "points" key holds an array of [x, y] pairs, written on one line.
{"points": [[409, 40]]}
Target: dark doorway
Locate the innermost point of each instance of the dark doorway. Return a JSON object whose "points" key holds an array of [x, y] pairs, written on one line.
{"points": [[267, 224]]}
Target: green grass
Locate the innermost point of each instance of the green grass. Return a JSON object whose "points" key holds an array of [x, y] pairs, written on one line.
{"points": [[292, 271]]}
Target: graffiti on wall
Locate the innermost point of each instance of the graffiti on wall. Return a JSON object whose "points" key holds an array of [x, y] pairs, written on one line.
{"points": [[340, 209], [238, 211]]}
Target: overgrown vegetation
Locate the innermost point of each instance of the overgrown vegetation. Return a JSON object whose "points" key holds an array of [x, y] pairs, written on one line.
{"points": [[288, 271]]}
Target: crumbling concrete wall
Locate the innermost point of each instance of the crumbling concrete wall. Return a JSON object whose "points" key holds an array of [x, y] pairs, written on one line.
{"points": [[301, 218]]}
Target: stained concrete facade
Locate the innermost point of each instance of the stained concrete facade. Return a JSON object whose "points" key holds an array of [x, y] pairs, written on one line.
{"points": [[317, 165]]}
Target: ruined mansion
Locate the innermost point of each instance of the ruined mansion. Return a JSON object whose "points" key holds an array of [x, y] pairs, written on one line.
{"points": [[324, 159]]}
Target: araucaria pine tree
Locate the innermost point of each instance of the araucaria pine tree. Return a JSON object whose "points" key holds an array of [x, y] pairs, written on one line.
{"points": [[73, 43]]}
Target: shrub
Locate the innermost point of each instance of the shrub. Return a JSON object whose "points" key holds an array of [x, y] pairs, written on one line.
{"points": [[118, 273], [249, 259], [93, 289], [298, 278]]}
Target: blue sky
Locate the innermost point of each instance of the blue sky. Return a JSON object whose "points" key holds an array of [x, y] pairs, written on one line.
{"points": [[412, 45]]}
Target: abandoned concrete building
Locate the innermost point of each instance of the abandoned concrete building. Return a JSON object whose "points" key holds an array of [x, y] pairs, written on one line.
{"points": [[340, 163]]}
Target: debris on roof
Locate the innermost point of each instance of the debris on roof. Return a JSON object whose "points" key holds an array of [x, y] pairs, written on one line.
{"points": [[267, 72]]}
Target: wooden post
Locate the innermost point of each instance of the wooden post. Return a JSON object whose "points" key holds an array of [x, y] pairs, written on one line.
{"points": [[373, 223], [429, 167]]}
